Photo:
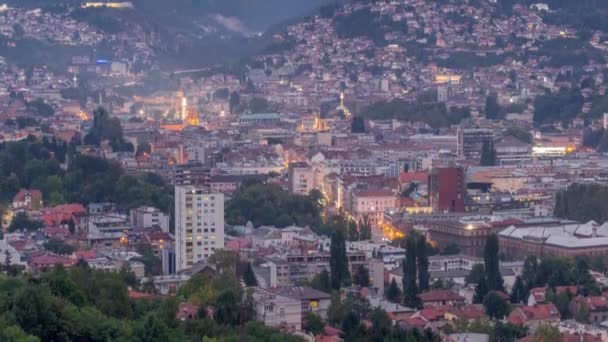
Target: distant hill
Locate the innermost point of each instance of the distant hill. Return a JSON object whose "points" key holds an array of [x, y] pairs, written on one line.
{"points": [[257, 15]]}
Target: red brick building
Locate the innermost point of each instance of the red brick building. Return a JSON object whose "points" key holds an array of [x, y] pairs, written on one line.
{"points": [[447, 189]]}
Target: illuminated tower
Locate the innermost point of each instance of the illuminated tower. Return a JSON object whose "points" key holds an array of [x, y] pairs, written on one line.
{"points": [[184, 114], [342, 107], [192, 117]]}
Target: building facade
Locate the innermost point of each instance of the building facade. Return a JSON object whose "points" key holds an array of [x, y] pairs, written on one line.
{"points": [[301, 178], [447, 189], [199, 225]]}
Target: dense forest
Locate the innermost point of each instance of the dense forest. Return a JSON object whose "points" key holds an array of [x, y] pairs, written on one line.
{"points": [[83, 304], [34, 164], [269, 204], [432, 113], [583, 202]]}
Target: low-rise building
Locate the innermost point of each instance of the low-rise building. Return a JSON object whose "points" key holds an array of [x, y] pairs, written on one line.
{"points": [[275, 310], [312, 300]]}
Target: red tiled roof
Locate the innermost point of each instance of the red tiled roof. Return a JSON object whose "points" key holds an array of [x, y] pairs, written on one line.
{"points": [[86, 255], [408, 177], [414, 322], [539, 312], [440, 296], [331, 331], [434, 313], [50, 260]]}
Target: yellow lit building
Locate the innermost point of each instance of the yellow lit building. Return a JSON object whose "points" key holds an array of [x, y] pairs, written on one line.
{"points": [[446, 78]]}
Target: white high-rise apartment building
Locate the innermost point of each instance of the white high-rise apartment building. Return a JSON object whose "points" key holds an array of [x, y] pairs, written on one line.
{"points": [[199, 225]]}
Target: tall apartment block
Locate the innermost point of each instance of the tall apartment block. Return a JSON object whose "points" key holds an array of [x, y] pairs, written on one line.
{"points": [[199, 225]]}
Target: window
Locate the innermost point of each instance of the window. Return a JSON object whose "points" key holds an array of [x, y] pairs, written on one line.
{"points": [[314, 304]]}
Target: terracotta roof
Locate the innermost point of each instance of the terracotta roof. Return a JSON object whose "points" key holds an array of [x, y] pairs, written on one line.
{"points": [[414, 322], [440, 295], [539, 312], [408, 177]]}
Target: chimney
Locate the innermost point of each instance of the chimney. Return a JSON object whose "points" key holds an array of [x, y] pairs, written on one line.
{"points": [[594, 230]]}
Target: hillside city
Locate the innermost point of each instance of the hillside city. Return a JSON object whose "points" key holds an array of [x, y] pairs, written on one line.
{"points": [[367, 170]]}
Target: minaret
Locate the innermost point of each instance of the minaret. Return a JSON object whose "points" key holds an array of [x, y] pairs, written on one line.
{"points": [[342, 107], [184, 115]]}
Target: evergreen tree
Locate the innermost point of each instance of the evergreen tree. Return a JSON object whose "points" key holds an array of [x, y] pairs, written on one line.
{"points": [[249, 276], [519, 292], [393, 292], [493, 278], [314, 324], [481, 290], [492, 107], [410, 288], [227, 308], [361, 278], [583, 278], [338, 262], [488, 154], [582, 313], [422, 263], [358, 124], [322, 282], [365, 229], [496, 306]]}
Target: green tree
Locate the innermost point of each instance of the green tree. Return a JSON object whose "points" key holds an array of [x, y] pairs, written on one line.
{"points": [[584, 280], [313, 324], [547, 333], [393, 292], [410, 287], [227, 308], [496, 306], [153, 329], [451, 249], [582, 313], [358, 124], [493, 277], [365, 228], [361, 278], [477, 274], [249, 276], [107, 128], [338, 262], [322, 281], [492, 108], [381, 325], [422, 259], [519, 292], [562, 302], [34, 312], [488, 154], [22, 222], [481, 291], [58, 247]]}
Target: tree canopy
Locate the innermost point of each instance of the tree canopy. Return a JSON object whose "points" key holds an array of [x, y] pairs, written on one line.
{"points": [[269, 204], [583, 202]]}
